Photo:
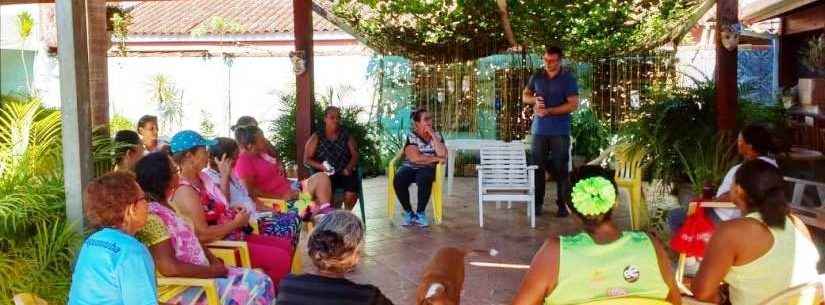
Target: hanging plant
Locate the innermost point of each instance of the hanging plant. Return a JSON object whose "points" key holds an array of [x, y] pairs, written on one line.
{"points": [[119, 22]]}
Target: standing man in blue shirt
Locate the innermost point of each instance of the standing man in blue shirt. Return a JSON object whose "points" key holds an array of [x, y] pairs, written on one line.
{"points": [[553, 92]]}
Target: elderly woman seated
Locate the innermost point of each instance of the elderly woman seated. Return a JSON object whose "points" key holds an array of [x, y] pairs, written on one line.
{"points": [[178, 252], [601, 262], [334, 249], [113, 267]]}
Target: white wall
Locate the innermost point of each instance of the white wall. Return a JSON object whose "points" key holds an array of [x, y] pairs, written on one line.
{"points": [[256, 83]]}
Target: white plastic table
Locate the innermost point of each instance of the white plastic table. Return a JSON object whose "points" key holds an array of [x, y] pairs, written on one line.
{"points": [[455, 145]]}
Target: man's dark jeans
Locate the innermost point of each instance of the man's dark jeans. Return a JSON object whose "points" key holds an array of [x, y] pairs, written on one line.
{"points": [[559, 149], [423, 177]]}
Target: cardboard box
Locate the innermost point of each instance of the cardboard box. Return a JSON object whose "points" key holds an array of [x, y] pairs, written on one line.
{"points": [[812, 91]]}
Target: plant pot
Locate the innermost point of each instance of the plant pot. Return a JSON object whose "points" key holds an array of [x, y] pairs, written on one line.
{"points": [[811, 91], [469, 170]]}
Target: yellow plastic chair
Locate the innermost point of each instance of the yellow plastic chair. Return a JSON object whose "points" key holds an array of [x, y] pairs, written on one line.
{"points": [[170, 287], [629, 176], [28, 299], [810, 293], [628, 301], [226, 250], [437, 195], [680, 264]]}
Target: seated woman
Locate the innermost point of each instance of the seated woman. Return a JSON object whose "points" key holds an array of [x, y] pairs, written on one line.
{"points": [[113, 267], [209, 212], [264, 176], [336, 147], [200, 201], [423, 150], [128, 150], [176, 250], [224, 155], [147, 127], [754, 142], [334, 249], [778, 252], [610, 263]]}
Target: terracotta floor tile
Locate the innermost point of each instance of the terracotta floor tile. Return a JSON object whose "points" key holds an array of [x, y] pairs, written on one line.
{"points": [[394, 256]]}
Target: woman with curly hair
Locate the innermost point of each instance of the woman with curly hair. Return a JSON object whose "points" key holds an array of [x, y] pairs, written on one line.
{"points": [[178, 252], [113, 267], [611, 263], [334, 249]]}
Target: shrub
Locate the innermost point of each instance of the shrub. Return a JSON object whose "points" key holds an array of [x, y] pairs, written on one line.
{"points": [[284, 127]]}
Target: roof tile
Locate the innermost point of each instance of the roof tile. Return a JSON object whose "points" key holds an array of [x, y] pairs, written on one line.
{"points": [[181, 17]]}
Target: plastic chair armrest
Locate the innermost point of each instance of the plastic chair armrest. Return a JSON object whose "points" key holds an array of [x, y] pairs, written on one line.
{"points": [[210, 287], [241, 246]]}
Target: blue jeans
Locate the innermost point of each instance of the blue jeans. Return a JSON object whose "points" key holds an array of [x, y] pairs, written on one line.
{"points": [[558, 147], [676, 218]]}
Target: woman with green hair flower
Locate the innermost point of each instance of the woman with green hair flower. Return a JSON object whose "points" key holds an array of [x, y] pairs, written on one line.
{"points": [[601, 262]]}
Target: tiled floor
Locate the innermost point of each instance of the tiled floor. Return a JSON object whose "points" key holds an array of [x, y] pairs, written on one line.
{"points": [[394, 256]]}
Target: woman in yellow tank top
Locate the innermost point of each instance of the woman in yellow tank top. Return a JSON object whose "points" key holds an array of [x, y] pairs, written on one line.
{"points": [[600, 263], [763, 253]]}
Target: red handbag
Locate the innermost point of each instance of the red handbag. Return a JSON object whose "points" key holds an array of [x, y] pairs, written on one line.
{"points": [[692, 238]]}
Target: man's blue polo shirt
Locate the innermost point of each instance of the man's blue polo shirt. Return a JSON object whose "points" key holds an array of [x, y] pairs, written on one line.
{"points": [[555, 92]]}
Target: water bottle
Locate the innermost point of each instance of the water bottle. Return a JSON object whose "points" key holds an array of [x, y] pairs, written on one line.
{"points": [[328, 168]]}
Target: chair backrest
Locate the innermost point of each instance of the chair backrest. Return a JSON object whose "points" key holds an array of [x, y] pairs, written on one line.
{"points": [[810, 293], [628, 163], [504, 164], [28, 299]]}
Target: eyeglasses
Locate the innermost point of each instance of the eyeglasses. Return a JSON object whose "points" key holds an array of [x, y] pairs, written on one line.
{"points": [[143, 197]]}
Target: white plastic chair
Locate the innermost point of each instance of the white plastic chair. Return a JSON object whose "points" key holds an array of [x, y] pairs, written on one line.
{"points": [[504, 175], [810, 293]]}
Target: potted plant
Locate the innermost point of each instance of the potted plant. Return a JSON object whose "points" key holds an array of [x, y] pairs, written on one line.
{"points": [[590, 134], [812, 85]]}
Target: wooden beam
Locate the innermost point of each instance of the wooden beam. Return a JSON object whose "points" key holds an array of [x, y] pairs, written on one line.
{"points": [[73, 58], [302, 14], [727, 12], [811, 18], [99, 43]]}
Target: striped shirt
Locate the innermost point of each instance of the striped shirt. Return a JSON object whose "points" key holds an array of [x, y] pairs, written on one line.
{"points": [[310, 289], [425, 147]]}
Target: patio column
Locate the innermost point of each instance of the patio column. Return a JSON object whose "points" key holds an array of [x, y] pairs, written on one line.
{"points": [[727, 12], [302, 14], [73, 56], [99, 43]]}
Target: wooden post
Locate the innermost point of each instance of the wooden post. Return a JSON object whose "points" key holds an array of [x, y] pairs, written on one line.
{"points": [[73, 57], [99, 43], [727, 12], [302, 14]]}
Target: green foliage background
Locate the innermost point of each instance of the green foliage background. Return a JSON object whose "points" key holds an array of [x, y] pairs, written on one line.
{"points": [[282, 132]]}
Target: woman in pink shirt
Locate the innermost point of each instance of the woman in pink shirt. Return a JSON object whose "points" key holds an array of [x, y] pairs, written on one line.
{"points": [[264, 176]]}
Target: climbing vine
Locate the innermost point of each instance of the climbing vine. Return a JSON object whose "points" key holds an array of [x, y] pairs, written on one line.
{"points": [[432, 31]]}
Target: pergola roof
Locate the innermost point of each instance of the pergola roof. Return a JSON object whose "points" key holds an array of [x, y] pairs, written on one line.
{"points": [[450, 31]]}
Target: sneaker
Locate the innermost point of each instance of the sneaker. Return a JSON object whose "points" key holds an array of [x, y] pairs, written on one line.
{"points": [[408, 218], [421, 220]]}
